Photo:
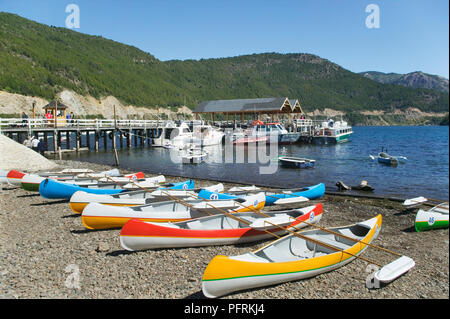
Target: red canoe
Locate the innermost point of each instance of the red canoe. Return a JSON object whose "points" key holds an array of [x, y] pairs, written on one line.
{"points": [[218, 229]]}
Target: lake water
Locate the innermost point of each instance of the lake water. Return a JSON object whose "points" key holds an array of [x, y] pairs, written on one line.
{"points": [[426, 172]]}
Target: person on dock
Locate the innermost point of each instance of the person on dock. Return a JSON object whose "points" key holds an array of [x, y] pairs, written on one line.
{"points": [[34, 143], [42, 147], [27, 141], [24, 119]]}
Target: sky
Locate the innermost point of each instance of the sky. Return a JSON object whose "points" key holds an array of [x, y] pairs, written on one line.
{"points": [[412, 35]]}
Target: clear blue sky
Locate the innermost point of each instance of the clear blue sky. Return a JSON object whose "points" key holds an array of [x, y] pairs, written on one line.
{"points": [[413, 34]]}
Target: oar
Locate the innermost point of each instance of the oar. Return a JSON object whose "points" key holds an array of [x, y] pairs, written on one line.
{"points": [[350, 238]]}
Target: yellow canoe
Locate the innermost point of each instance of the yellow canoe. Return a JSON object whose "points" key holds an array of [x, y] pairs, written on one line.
{"points": [[288, 258]]}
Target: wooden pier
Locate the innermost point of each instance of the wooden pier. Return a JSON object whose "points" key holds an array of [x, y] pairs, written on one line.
{"points": [[76, 134], [94, 134]]}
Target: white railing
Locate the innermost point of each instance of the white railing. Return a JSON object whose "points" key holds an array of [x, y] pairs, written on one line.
{"points": [[10, 123]]}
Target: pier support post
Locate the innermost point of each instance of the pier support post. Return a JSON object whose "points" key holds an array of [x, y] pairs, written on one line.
{"points": [[129, 139], [105, 138], [96, 136], [88, 140], [55, 142], [68, 140], [45, 137], [77, 141]]}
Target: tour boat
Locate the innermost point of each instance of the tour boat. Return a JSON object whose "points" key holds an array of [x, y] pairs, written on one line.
{"points": [[332, 132]]}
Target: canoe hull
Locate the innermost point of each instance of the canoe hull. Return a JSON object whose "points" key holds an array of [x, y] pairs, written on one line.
{"points": [[225, 275], [426, 220], [55, 190], [311, 192], [15, 177], [138, 235], [98, 216]]}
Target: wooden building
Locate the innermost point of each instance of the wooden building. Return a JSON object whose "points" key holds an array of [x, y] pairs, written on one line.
{"points": [[274, 108], [58, 113]]}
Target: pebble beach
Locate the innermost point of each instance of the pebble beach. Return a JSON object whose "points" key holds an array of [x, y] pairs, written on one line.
{"points": [[43, 244]]}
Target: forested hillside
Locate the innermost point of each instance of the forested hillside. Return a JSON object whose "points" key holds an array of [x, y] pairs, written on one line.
{"points": [[41, 60]]}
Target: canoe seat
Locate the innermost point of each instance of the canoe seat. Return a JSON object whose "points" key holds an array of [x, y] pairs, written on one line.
{"points": [[230, 223], [339, 245], [277, 254], [196, 224], [250, 257]]}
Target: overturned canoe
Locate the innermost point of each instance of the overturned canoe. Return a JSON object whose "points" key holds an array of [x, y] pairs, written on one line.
{"points": [[80, 199], [218, 229], [98, 216], [287, 259], [434, 218], [31, 182]]}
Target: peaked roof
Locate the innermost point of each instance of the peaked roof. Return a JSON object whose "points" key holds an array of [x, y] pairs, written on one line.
{"points": [[244, 105], [52, 104]]}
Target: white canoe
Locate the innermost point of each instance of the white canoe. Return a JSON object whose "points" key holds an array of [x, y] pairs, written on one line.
{"points": [[150, 182], [414, 202], [3, 178], [112, 172], [243, 189], [30, 182], [80, 199], [99, 216]]}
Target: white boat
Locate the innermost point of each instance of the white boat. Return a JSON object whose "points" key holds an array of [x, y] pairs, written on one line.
{"points": [[194, 156], [80, 199], [414, 202], [99, 216], [173, 136], [206, 135], [262, 132], [332, 132]]}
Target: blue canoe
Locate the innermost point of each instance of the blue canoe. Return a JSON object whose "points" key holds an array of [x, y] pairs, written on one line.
{"points": [[52, 189], [311, 192]]}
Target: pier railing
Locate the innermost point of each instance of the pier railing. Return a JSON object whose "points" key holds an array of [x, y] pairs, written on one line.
{"points": [[31, 124]]}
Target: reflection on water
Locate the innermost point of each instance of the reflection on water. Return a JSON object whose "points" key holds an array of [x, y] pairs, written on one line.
{"points": [[425, 173]]}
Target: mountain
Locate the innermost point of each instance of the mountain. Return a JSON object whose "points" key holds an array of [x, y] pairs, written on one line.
{"points": [[414, 80], [40, 60]]}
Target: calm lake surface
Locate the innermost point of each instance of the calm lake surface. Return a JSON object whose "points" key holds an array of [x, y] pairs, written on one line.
{"points": [[426, 172]]}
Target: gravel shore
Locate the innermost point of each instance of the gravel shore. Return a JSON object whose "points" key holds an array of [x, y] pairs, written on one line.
{"points": [[44, 245]]}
